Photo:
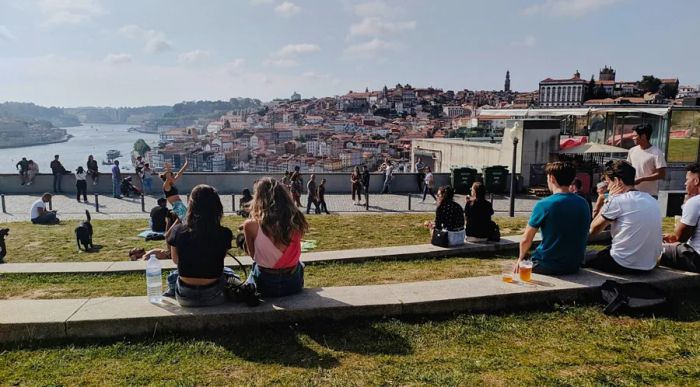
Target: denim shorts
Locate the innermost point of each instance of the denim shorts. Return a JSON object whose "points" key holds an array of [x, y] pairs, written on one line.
{"points": [[180, 209], [193, 296], [270, 284]]}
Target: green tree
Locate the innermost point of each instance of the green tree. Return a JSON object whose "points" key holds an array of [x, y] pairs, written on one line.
{"points": [[649, 83], [141, 147], [590, 90], [669, 90]]}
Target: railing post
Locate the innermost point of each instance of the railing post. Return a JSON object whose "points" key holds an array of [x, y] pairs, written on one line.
{"points": [[4, 209], [367, 199], [97, 203], [233, 203], [143, 204], [409, 202]]}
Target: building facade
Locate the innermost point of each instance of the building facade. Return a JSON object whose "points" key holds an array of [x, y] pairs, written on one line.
{"points": [[563, 92]]}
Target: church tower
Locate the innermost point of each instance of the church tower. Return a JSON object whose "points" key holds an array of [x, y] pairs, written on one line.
{"points": [[506, 87]]}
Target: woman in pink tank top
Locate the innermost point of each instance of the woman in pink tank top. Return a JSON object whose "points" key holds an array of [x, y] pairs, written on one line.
{"points": [[273, 238]]}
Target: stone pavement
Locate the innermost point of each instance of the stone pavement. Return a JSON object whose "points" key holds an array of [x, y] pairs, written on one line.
{"points": [[103, 317], [17, 206], [351, 255]]}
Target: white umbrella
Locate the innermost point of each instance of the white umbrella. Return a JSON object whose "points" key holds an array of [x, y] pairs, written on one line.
{"points": [[591, 148]]}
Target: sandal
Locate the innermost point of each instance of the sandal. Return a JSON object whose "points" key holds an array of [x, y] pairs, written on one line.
{"points": [[135, 254]]}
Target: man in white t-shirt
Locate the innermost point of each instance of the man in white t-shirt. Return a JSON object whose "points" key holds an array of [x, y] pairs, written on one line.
{"points": [[39, 214], [635, 225], [647, 160], [681, 248]]}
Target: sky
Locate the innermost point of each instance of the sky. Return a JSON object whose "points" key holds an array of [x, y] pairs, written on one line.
{"points": [[72, 53]]}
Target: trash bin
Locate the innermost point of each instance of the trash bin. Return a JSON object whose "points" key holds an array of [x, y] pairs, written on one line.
{"points": [[496, 179], [462, 179]]}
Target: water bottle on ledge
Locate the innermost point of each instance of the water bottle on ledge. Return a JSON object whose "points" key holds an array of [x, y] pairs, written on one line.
{"points": [[154, 280]]}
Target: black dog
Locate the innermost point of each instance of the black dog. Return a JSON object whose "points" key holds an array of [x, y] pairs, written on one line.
{"points": [[83, 233], [3, 248]]}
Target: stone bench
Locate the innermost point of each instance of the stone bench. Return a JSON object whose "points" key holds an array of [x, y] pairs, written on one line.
{"points": [[26, 320]]}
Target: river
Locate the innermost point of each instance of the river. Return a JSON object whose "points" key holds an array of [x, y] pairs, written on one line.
{"points": [[88, 139]]}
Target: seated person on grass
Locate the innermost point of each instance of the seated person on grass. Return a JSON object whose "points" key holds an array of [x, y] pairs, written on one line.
{"points": [[680, 249], [273, 236], [244, 203], [39, 214], [198, 247], [635, 224], [159, 216], [564, 218], [448, 216], [477, 212]]}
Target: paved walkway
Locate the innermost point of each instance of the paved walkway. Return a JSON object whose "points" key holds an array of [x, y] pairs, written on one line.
{"points": [[352, 255], [17, 206], [30, 320]]}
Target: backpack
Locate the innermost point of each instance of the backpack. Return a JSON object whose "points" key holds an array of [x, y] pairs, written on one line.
{"points": [[633, 298]]}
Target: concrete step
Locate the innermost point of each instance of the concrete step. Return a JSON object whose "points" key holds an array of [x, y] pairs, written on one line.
{"points": [[351, 255], [104, 317]]}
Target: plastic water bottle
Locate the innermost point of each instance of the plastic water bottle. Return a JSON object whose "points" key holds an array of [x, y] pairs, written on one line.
{"points": [[154, 280]]}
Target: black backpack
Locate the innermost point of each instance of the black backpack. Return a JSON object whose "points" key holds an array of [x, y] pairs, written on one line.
{"points": [[633, 298]]}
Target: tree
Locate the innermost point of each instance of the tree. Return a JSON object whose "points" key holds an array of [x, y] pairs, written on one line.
{"points": [[590, 90], [649, 83], [669, 90], [141, 147]]}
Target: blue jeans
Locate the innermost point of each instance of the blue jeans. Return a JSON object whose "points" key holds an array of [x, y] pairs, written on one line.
{"points": [[47, 218], [115, 188], [387, 185], [277, 285], [147, 185], [57, 182], [193, 296]]}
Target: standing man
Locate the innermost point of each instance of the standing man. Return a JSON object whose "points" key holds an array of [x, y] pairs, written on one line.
{"points": [[365, 182], [138, 168], [420, 175], [680, 249], [311, 195], [647, 160], [58, 171], [388, 169], [116, 180], [322, 196], [23, 166]]}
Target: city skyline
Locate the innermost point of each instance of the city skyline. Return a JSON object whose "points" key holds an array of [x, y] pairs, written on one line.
{"points": [[100, 53]]}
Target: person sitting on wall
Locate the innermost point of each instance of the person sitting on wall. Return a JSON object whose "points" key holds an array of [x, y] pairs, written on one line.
{"points": [[635, 224], [563, 219], [273, 240], [244, 203], [448, 216], [159, 216], [680, 249], [477, 213]]}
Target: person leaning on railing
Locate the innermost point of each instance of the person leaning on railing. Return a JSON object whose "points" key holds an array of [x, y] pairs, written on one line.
{"points": [[273, 240]]}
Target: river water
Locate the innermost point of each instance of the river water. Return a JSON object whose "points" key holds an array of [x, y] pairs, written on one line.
{"points": [[89, 139]]}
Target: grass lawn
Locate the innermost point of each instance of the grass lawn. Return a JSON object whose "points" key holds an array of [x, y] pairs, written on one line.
{"points": [[45, 286], [683, 150], [34, 243], [563, 346]]}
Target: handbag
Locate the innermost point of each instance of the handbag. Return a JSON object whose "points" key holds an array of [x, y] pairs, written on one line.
{"points": [[439, 238], [495, 234]]}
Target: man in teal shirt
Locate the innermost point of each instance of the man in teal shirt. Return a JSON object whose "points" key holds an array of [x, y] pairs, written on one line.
{"points": [[564, 219]]}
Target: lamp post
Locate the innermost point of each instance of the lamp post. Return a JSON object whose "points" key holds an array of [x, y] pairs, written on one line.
{"points": [[514, 135]]}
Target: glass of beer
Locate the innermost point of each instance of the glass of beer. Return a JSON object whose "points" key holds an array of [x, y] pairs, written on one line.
{"points": [[525, 269], [508, 272]]}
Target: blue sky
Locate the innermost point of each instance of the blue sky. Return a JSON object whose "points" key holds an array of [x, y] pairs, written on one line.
{"points": [[147, 52]]}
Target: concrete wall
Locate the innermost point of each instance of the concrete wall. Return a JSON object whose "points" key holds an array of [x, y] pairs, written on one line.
{"points": [[455, 152], [225, 183]]}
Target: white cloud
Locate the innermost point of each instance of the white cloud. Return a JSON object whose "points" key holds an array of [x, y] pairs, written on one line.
{"points": [[287, 9], [527, 41], [374, 26], [154, 41], [192, 57], [59, 12], [281, 62], [573, 8], [118, 58], [375, 8], [297, 49], [371, 47], [6, 35]]}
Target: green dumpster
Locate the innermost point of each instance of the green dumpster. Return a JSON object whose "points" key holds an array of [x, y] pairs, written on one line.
{"points": [[462, 179], [496, 179]]}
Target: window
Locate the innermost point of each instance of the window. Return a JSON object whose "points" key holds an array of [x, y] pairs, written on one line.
{"points": [[684, 138]]}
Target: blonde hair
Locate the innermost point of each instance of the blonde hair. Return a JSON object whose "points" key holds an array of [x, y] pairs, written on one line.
{"points": [[273, 208]]}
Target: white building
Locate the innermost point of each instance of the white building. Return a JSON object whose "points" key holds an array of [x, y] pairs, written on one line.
{"points": [[453, 111], [563, 92], [685, 91], [312, 147]]}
